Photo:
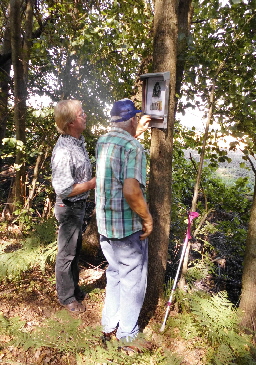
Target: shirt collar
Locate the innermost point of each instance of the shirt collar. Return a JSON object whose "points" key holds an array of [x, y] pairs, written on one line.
{"points": [[120, 130], [78, 141]]}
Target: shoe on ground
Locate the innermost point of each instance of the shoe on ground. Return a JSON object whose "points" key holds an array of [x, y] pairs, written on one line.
{"points": [[138, 345], [108, 336], [75, 307], [81, 295]]}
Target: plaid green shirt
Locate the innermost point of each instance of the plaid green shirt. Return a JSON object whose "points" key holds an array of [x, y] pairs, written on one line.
{"points": [[119, 156]]}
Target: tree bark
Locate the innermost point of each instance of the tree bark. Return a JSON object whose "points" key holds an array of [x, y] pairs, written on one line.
{"points": [[248, 297], [91, 238], [20, 57], [164, 59], [166, 24], [5, 69]]}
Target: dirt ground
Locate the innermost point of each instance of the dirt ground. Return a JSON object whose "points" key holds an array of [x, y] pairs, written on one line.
{"points": [[34, 300]]}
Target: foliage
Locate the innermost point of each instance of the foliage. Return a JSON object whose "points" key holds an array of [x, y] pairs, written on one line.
{"points": [[213, 321], [199, 269], [221, 227], [91, 51], [24, 216], [98, 58], [223, 49], [67, 334], [36, 250]]}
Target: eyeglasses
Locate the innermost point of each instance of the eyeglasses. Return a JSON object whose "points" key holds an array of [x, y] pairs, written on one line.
{"points": [[82, 115]]}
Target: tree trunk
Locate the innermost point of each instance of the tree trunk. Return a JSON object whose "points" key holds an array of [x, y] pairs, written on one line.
{"points": [[248, 298], [91, 238], [5, 69], [164, 59], [20, 57], [185, 12], [171, 17], [42, 156]]}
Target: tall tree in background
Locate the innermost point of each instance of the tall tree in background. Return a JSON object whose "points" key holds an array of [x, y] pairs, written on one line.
{"points": [[5, 68], [20, 96], [171, 18]]}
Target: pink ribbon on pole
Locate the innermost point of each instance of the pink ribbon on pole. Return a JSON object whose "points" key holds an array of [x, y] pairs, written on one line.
{"points": [[191, 216]]}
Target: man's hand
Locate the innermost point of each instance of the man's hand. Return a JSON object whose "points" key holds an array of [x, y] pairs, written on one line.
{"points": [[142, 125], [93, 182], [147, 227]]}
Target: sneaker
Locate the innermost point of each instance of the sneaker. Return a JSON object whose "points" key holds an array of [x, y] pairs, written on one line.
{"points": [[138, 345]]}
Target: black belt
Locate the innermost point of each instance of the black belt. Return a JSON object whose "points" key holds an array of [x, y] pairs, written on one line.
{"points": [[69, 203]]}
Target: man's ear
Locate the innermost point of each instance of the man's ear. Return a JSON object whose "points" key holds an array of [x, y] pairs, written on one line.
{"points": [[134, 120]]}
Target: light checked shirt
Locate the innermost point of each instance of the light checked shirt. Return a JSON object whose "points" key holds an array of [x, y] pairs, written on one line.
{"points": [[119, 156], [70, 165]]}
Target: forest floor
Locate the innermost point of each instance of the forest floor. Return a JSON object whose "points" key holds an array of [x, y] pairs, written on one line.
{"points": [[33, 300]]}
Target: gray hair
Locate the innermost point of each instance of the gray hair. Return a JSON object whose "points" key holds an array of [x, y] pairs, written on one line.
{"points": [[65, 112], [123, 125]]}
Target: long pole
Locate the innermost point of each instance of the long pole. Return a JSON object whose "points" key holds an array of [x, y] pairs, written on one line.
{"points": [[191, 216]]}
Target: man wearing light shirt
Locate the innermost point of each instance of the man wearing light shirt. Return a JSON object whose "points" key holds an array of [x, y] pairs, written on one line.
{"points": [[72, 180]]}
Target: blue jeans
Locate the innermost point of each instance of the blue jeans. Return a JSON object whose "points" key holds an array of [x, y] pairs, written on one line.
{"points": [[70, 218], [126, 284]]}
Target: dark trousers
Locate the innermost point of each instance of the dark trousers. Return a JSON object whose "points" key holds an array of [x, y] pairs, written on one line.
{"points": [[70, 217]]}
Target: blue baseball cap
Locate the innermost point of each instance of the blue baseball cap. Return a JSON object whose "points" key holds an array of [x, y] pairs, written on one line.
{"points": [[125, 109]]}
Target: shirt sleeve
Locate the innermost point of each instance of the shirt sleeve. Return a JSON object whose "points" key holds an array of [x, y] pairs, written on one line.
{"points": [[62, 179], [135, 165]]}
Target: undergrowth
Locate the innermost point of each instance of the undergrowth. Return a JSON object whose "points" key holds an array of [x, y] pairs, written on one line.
{"points": [[211, 322], [67, 334], [36, 250], [204, 322]]}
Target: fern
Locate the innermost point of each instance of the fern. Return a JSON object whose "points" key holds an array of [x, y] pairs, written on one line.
{"points": [[62, 332], [214, 320], [98, 355], [218, 322], [14, 328], [65, 333], [36, 251], [221, 353], [13, 264], [215, 316], [199, 270]]}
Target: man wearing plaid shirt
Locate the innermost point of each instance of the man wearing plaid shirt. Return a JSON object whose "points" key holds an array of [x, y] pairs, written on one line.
{"points": [[123, 219]]}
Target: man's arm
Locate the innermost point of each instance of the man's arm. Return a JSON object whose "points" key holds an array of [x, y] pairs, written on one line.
{"points": [[134, 197], [83, 187]]}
